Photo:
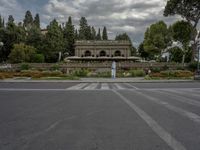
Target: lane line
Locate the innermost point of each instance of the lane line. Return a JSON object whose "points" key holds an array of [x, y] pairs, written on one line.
{"points": [[22, 89], [161, 132], [192, 116], [104, 86], [181, 98], [91, 86], [128, 84], [77, 87], [119, 87]]}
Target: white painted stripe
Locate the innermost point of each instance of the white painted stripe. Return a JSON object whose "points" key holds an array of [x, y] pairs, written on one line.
{"points": [[192, 116], [128, 84], [21, 89], [161, 132], [104, 86], [119, 87], [91, 86], [181, 98], [77, 87]]}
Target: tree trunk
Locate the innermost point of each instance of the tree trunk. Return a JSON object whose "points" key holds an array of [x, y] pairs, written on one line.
{"points": [[183, 60]]}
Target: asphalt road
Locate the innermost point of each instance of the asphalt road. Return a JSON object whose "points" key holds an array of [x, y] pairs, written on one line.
{"points": [[100, 116]]}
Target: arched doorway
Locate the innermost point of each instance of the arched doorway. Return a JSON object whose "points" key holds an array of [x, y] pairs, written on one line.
{"points": [[102, 54], [87, 53], [117, 53]]}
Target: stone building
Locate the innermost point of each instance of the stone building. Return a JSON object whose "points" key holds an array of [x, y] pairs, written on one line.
{"points": [[102, 50]]}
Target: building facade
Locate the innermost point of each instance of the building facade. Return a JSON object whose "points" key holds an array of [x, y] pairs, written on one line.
{"points": [[102, 50]]}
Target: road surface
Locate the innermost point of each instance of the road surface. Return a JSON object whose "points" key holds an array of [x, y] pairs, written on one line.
{"points": [[100, 116]]}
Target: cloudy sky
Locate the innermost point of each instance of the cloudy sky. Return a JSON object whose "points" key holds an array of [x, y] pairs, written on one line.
{"points": [[131, 16]]}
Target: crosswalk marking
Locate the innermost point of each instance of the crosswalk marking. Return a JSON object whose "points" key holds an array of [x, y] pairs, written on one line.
{"points": [[104, 86], [91, 86], [119, 86], [78, 86]]}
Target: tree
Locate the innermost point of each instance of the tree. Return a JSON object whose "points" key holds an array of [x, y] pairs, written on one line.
{"points": [[142, 52], [125, 37], [99, 35], [156, 39], [104, 34], [93, 33], [1, 22], [188, 10], [76, 35], [28, 20], [36, 21], [181, 31], [22, 53], [69, 37], [83, 28], [53, 42]]}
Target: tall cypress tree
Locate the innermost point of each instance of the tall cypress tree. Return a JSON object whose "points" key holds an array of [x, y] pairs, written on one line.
{"points": [[54, 42], [36, 21], [98, 35], [104, 34], [83, 29], [93, 33], [76, 35], [69, 36], [28, 20]]}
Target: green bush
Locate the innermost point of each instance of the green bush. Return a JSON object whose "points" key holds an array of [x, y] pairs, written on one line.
{"points": [[137, 73], [55, 67], [81, 73], [193, 66], [38, 58], [155, 69], [24, 66]]}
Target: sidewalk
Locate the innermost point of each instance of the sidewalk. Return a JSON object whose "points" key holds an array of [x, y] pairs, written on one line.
{"points": [[118, 80]]}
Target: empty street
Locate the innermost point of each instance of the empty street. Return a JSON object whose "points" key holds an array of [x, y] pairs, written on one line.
{"points": [[99, 116]]}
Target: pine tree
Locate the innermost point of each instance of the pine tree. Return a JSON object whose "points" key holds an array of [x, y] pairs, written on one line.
{"points": [[36, 21], [69, 37], [76, 35], [28, 20], [93, 33], [104, 34], [83, 29], [54, 42], [98, 35]]}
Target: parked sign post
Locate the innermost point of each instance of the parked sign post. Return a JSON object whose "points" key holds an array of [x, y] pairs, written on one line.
{"points": [[113, 70]]}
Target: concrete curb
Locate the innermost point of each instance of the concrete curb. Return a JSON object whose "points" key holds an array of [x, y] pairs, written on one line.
{"points": [[119, 80]]}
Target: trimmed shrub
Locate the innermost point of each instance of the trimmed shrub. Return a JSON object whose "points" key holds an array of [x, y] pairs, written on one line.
{"points": [[81, 73], [24, 66], [38, 58], [137, 73]]}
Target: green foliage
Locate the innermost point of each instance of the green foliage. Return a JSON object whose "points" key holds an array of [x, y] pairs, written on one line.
{"points": [[99, 35], [80, 73], [188, 9], [142, 52], [176, 54], [38, 58], [193, 66], [137, 73], [104, 34], [83, 31], [22, 53], [55, 67], [36, 21], [69, 37], [28, 20], [54, 42], [24, 66], [156, 38]]}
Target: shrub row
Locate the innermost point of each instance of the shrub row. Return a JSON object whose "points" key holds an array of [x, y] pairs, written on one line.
{"points": [[172, 74]]}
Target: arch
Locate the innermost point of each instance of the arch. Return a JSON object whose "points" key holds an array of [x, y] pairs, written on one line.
{"points": [[102, 54], [87, 53], [117, 53]]}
